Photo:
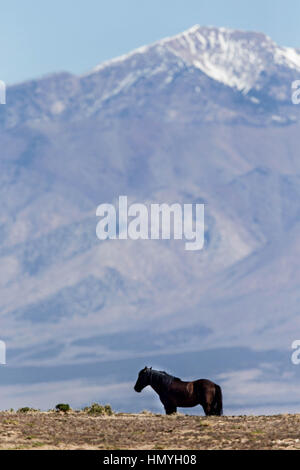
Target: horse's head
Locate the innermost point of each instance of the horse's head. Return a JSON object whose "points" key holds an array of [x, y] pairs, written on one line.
{"points": [[143, 379]]}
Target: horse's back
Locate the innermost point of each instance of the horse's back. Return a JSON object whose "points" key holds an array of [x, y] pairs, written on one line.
{"points": [[205, 383]]}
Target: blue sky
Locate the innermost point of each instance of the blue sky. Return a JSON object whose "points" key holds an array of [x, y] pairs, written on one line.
{"points": [[42, 36]]}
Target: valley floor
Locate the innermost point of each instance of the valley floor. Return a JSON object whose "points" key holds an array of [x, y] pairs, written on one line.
{"points": [[78, 430]]}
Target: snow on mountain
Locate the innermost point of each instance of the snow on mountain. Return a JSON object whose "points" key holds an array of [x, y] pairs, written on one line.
{"points": [[235, 58], [205, 116], [207, 60]]}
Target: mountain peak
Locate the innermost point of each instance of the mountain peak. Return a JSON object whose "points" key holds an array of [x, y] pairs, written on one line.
{"points": [[233, 57], [196, 62]]}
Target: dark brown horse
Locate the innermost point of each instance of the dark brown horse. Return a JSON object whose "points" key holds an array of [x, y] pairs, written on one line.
{"points": [[174, 392]]}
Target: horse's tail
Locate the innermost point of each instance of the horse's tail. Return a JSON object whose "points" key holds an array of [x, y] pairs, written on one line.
{"points": [[217, 405]]}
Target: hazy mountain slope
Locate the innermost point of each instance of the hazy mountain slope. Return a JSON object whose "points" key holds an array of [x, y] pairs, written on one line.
{"points": [[205, 116]]}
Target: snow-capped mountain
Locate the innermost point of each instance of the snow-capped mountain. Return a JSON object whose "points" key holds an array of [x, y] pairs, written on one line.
{"points": [[205, 116], [204, 60], [235, 58]]}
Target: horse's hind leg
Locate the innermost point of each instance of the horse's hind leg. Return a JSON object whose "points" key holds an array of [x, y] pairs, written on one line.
{"points": [[207, 409]]}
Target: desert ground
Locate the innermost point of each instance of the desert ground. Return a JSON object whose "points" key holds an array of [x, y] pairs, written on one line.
{"points": [[80, 430]]}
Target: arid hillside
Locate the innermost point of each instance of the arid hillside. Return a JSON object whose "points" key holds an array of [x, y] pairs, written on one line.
{"points": [[80, 430]]}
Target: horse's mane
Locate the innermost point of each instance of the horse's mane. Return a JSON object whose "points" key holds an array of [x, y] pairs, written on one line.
{"points": [[163, 378]]}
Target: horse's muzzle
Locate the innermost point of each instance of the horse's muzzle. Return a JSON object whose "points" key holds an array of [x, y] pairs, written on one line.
{"points": [[137, 389]]}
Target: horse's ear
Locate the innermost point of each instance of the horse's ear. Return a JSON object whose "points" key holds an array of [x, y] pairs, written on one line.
{"points": [[150, 368]]}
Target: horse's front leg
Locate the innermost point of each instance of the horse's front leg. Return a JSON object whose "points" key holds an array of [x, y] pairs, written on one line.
{"points": [[169, 408]]}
